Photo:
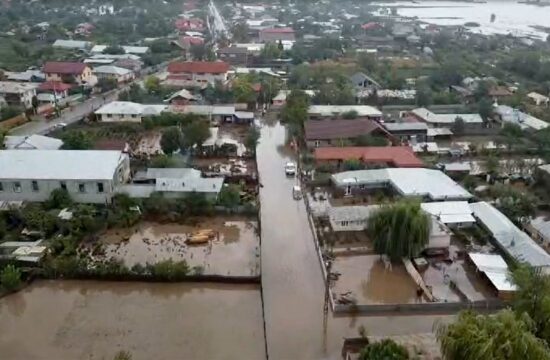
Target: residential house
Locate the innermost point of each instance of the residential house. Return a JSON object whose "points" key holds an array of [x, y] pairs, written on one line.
{"points": [[506, 114], [407, 132], [198, 73], [89, 176], [130, 64], [513, 242], [471, 121], [55, 91], [70, 73], [454, 214], [370, 156], [355, 218], [498, 93], [25, 76], [84, 29], [136, 50], [233, 55], [277, 34], [495, 271], [183, 25], [121, 75], [280, 99], [539, 99], [173, 183], [363, 82], [182, 97], [126, 111], [319, 133], [32, 142], [335, 111], [430, 184], [217, 114], [18, 93], [72, 44]]}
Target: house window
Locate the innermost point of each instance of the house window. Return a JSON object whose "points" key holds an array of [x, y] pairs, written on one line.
{"points": [[317, 143], [134, 116], [108, 115], [362, 187], [17, 187], [100, 187], [82, 188], [1, 187], [63, 185], [344, 223], [34, 185]]}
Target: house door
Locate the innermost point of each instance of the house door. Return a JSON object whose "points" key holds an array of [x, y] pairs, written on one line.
{"points": [[348, 190]]}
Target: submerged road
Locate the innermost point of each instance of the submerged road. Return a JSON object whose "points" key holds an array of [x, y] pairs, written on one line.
{"points": [[292, 280]]}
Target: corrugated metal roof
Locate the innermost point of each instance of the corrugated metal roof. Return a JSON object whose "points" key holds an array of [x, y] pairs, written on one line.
{"points": [[190, 184], [518, 244], [331, 110]]}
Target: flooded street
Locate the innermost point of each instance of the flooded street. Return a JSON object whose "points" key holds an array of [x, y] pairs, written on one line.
{"points": [[93, 320], [293, 287]]}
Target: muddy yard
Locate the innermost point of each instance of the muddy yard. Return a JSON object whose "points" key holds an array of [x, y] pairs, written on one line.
{"points": [[221, 246]]}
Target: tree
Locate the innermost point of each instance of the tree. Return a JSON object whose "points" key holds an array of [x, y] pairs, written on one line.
{"points": [[492, 165], [270, 51], [459, 126], [252, 138], [34, 103], [399, 230], [152, 84], [107, 83], [353, 164], [198, 51], [424, 96], [240, 32], [488, 337], [114, 50], [76, 140], [386, 349], [243, 91], [511, 134], [533, 298], [196, 133], [515, 204], [59, 199], [485, 109], [10, 278], [230, 196], [171, 140]]}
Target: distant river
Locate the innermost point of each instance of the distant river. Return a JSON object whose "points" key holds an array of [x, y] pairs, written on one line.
{"points": [[511, 17]]}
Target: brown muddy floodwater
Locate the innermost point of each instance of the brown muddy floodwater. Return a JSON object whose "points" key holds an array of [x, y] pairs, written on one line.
{"points": [[235, 250], [371, 283], [93, 320]]}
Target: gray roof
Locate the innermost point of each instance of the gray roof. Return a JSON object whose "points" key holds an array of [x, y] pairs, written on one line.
{"points": [[190, 184], [430, 117], [130, 108], [59, 164], [515, 242], [37, 142], [72, 44], [542, 226], [155, 173], [13, 87], [406, 126], [407, 181], [331, 110]]}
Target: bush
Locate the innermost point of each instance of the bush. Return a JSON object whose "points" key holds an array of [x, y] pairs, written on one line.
{"points": [[386, 349], [230, 196], [10, 278], [59, 199], [353, 164], [169, 270], [349, 115]]}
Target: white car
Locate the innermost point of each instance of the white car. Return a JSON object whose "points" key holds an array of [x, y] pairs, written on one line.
{"points": [[290, 169]]}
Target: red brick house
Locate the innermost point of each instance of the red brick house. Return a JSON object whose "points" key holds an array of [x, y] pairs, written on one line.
{"points": [[198, 73], [371, 156]]}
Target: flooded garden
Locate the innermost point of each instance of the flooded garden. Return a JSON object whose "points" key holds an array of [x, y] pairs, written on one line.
{"points": [[218, 246], [94, 320]]}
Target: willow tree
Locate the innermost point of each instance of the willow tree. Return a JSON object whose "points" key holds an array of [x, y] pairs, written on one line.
{"points": [[399, 230], [487, 337]]}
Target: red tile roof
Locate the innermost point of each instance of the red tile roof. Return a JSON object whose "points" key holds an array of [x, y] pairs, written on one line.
{"points": [[399, 156], [341, 129], [54, 86], [370, 25], [285, 30], [60, 67], [210, 67]]}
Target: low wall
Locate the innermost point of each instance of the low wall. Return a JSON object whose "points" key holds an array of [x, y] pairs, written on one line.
{"points": [[419, 308], [13, 122]]}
